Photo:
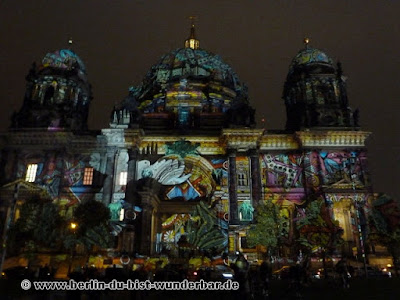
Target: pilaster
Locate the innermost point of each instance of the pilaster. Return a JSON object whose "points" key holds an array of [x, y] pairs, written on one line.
{"points": [[255, 177], [233, 205], [149, 205]]}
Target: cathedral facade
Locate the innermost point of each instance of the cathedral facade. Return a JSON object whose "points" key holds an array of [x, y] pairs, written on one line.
{"points": [[186, 135]]}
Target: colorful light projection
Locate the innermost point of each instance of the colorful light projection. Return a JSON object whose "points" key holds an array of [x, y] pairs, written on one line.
{"points": [[189, 175], [195, 65], [220, 198], [190, 178], [332, 167], [60, 176], [63, 59], [282, 170], [293, 171], [220, 173], [199, 230], [195, 62], [48, 174], [246, 211], [173, 228], [184, 93], [310, 56]]}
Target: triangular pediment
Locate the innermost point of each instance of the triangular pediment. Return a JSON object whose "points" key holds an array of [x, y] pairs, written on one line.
{"points": [[22, 184], [345, 184]]}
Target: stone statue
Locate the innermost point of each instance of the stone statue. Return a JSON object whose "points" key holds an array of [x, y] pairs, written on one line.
{"points": [[246, 211], [115, 209]]}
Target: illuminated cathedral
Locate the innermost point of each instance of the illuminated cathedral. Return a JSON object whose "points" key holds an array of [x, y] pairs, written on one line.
{"points": [[187, 135]]}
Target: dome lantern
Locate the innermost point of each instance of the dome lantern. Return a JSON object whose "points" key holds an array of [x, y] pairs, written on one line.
{"points": [[191, 42]]}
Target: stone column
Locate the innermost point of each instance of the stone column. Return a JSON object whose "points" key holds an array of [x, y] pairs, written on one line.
{"points": [[255, 177], [128, 237], [145, 243], [109, 181], [149, 203], [233, 205], [132, 169]]}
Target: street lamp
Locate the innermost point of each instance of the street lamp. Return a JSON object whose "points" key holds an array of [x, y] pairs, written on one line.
{"points": [[73, 227]]}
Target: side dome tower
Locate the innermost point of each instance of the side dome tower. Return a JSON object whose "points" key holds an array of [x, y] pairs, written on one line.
{"points": [[189, 88], [57, 95], [315, 93]]}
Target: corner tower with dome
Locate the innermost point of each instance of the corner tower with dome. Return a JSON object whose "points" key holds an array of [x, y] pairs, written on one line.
{"points": [[182, 164], [315, 93], [57, 94]]}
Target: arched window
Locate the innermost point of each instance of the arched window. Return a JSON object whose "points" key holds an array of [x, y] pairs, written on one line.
{"points": [[48, 95], [325, 94]]}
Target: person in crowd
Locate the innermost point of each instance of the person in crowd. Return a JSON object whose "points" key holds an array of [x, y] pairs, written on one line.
{"points": [[343, 271], [265, 276], [241, 276], [295, 275]]}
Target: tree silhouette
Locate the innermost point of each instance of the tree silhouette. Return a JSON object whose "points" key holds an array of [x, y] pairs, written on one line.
{"points": [[92, 219], [268, 228], [38, 228], [318, 232], [385, 226]]}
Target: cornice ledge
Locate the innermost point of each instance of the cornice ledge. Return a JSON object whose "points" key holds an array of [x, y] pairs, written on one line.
{"points": [[242, 139], [332, 138], [278, 142]]}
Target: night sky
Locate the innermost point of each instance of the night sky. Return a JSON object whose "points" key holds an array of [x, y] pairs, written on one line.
{"points": [[120, 40]]}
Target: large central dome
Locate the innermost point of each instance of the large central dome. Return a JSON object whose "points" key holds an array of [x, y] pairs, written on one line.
{"points": [[192, 64], [187, 88]]}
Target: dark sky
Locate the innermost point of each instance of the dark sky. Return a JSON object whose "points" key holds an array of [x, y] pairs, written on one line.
{"points": [[120, 40]]}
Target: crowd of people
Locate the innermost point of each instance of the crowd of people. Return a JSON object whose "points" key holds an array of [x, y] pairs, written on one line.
{"points": [[254, 279]]}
